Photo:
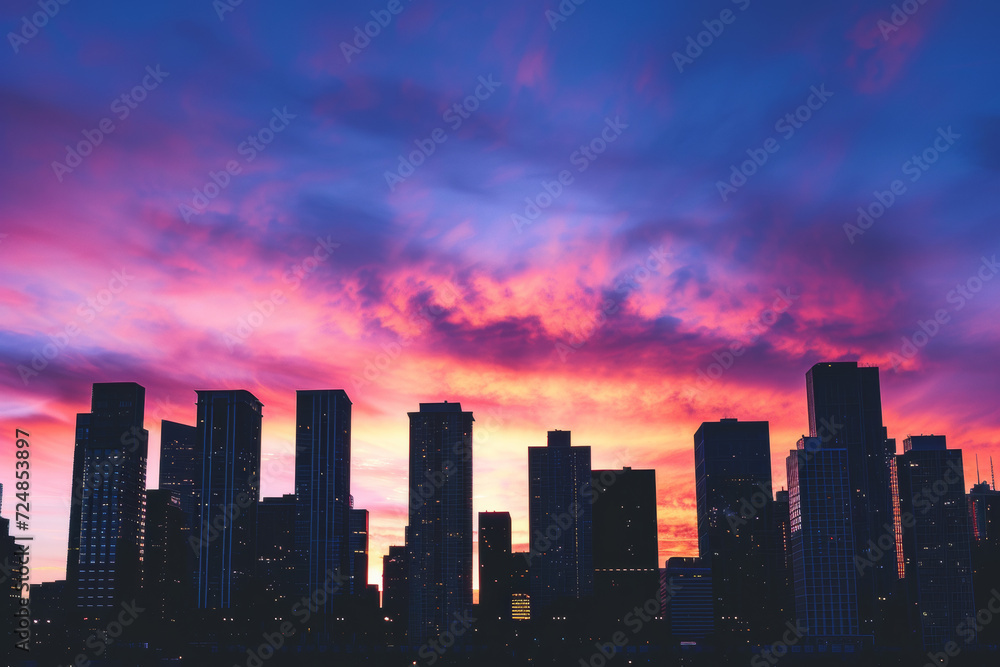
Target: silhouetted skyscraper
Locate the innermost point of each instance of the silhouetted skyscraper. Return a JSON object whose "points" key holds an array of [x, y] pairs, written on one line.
{"points": [[781, 598], [733, 492], [167, 559], [936, 549], [520, 586], [323, 488], [108, 501], [845, 409], [396, 590], [984, 511], [494, 565], [180, 464], [561, 523], [822, 543], [686, 599], [358, 545], [626, 548], [440, 529], [276, 554], [229, 428]]}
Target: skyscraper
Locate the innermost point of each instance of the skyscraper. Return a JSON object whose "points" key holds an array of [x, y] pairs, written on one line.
{"points": [[229, 423], [822, 544], [276, 555], [180, 464], [396, 590], [561, 523], [166, 577], [494, 565], [984, 511], [626, 548], [686, 599], [358, 547], [323, 488], [733, 493], [108, 501], [936, 549], [440, 529], [845, 409]]}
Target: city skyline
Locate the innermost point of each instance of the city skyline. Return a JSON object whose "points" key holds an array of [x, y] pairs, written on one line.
{"points": [[375, 558]]}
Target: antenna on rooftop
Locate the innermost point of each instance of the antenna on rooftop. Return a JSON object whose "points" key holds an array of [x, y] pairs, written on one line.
{"points": [[992, 476], [977, 470]]}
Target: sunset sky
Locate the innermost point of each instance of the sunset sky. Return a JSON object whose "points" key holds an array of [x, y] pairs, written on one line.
{"points": [[597, 312]]}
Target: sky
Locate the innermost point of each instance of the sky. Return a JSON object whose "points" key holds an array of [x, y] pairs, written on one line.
{"points": [[620, 219]]}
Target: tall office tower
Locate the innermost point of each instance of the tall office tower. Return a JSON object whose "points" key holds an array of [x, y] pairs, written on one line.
{"points": [[440, 527], [936, 549], [225, 534], [10, 592], [180, 464], [845, 409], [396, 590], [323, 488], [561, 521], [626, 548], [358, 549], [823, 547], [108, 502], [520, 586], [984, 511], [494, 565], [276, 555], [686, 599], [166, 575], [782, 601], [733, 492]]}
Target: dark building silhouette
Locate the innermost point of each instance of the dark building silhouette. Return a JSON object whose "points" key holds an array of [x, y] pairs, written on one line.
{"points": [[166, 577], [984, 513], [560, 519], [626, 547], [108, 499], [396, 591], [180, 465], [520, 586], [782, 598], [276, 555], [937, 548], [323, 488], [495, 566], [10, 562], [229, 428], [358, 545], [845, 409], [822, 544], [686, 600], [440, 530], [733, 492]]}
